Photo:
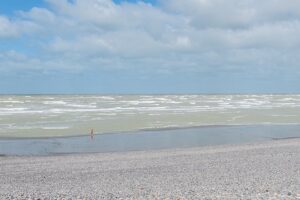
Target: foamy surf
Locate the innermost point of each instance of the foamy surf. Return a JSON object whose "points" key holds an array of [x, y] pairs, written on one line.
{"points": [[49, 115]]}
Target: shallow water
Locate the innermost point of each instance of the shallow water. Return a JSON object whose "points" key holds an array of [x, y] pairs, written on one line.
{"points": [[149, 140], [43, 116]]}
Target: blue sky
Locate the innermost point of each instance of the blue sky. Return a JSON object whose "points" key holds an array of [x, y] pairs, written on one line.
{"points": [[153, 46], [9, 7]]}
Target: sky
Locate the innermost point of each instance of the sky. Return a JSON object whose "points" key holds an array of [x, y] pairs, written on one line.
{"points": [[151, 46]]}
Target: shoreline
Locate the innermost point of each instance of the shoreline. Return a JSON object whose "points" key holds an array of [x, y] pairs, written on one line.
{"points": [[132, 131], [152, 130], [266, 170]]}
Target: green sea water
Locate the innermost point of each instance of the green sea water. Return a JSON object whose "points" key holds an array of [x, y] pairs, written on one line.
{"points": [[67, 115]]}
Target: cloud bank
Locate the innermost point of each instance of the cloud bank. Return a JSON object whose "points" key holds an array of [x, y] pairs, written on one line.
{"points": [[231, 37]]}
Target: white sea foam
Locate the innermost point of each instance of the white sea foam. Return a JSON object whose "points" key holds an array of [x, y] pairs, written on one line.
{"points": [[81, 105], [54, 102], [4, 111], [55, 127], [22, 127], [12, 112], [40, 112], [284, 115], [103, 97], [11, 101], [97, 118], [107, 114]]}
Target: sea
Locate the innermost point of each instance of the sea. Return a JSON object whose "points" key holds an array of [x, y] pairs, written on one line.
{"points": [[24, 116]]}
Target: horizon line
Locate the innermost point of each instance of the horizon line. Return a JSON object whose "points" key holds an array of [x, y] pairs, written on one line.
{"points": [[165, 93]]}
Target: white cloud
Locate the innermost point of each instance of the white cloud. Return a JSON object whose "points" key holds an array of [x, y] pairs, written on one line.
{"points": [[190, 35], [234, 13], [14, 28], [8, 28]]}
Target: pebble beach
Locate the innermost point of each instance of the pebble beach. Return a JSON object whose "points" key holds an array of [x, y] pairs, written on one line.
{"points": [[263, 170]]}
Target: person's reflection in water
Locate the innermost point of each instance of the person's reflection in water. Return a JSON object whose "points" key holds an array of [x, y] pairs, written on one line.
{"points": [[92, 134]]}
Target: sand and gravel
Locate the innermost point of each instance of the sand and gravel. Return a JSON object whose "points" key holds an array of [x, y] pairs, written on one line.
{"points": [[268, 170]]}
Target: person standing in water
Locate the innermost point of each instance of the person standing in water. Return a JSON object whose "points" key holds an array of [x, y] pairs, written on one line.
{"points": [[92, 133]]}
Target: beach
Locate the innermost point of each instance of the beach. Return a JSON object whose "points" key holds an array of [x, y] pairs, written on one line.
{"points": [[149, 99], [259, 170]]}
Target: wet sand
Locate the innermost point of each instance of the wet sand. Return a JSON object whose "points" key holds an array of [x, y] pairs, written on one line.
{"points": [[262, 170]]}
